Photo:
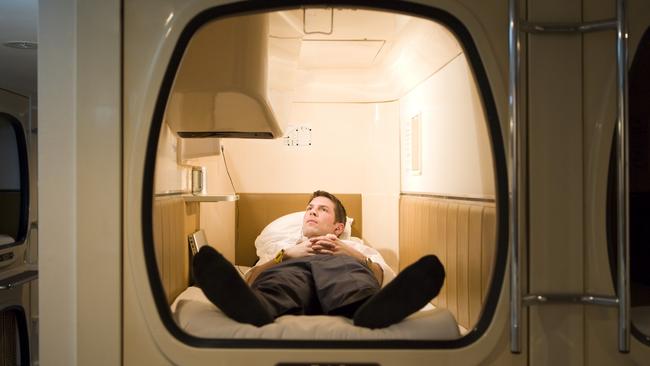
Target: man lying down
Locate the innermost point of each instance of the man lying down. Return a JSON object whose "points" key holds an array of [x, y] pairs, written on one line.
{"points": [[321, 275]]}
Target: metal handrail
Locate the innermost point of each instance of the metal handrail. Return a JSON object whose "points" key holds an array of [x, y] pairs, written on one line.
{"points": [[583, 299], [513, 165], [517, 231], [623, 237], [585, 27]]}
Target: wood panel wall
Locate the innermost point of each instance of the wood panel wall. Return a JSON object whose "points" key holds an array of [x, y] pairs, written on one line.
{"points": [[463, 236], [173, 221]]}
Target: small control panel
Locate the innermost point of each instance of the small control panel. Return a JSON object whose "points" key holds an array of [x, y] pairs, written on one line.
{"points": [[298, 136]]}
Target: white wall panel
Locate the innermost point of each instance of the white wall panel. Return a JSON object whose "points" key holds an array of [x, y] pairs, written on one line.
{"points": [[355, 149], [169, 175], [456, 155]]}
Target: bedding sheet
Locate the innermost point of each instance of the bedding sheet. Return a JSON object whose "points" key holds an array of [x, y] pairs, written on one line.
{"points": [[196, 315], [6, 239]]}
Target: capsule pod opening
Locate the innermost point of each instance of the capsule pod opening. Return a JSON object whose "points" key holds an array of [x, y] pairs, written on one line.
{"points": [[14, 183], [18, 317], [391, 112]]}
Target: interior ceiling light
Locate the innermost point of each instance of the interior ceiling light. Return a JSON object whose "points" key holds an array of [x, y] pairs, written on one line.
{"points": [[22, 45]]}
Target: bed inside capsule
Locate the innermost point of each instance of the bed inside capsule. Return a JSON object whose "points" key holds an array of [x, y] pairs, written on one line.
{"points": [[467, 227], [380, 106]]}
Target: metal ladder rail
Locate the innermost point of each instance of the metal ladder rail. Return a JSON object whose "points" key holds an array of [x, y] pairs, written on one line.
{"points": [[621, 300]]}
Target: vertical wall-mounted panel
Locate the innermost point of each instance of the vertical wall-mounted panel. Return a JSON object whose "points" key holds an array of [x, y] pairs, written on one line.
{"points": [[488, 235], [169, 230], [157, 234], [451, 238], [438, 224], [599, 88], [56, 89], [463, 264], [97, 185], [555, 165], [173, 221], [474, 262]]}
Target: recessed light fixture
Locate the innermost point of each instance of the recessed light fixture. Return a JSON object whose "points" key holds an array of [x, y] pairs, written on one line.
{"points": [[22, 45]]}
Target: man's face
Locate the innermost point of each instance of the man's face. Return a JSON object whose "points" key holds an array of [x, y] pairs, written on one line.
{"points": [[319, 219]]}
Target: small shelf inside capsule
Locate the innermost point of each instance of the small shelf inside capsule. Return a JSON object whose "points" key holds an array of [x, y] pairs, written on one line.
{"points": [[210, 197]]}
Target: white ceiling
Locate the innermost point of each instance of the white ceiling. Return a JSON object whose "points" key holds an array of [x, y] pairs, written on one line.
{"points": [[353, 55], [18, 22], [336, 38], [340, 53]]}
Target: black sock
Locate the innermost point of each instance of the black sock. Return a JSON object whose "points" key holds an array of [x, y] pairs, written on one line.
{"points": [[413, 288], [223, 286]]}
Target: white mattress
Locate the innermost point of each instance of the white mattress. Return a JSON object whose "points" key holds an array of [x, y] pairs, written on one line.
{"points": [[196, 315], [6, 239]]}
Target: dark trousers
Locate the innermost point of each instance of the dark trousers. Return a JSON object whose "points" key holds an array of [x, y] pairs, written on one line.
{"points": [[319, 284]]}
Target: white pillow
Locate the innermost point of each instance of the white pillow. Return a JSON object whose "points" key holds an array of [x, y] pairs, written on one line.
{"points": [[285, 231]]}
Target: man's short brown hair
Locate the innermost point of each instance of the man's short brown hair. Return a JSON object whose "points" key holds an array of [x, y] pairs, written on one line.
{"points": [[339, 210]]}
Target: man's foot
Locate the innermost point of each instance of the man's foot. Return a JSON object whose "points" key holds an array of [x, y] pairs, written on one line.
{"points": [[413, 288], [223, 286]]}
